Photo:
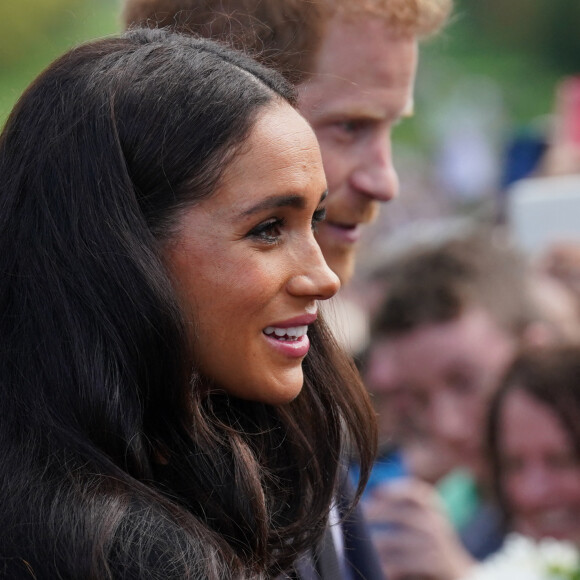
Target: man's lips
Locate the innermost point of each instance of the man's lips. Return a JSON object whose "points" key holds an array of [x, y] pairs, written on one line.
{"points": [[349, 233]]}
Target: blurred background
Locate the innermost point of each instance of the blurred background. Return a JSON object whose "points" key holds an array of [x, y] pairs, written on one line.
{"points": [[485, 85], [34, 32]]}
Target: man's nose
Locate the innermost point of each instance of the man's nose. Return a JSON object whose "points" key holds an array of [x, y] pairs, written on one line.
{"points": [[375, 175], [448, 420]]}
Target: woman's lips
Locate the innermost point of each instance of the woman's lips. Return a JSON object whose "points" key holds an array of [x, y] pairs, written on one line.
{"points": [[556, 521], [290, 347], [290, 337]]}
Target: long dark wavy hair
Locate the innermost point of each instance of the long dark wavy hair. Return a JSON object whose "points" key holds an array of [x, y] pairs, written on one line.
{"points": [[119, 460], [549, 374]]}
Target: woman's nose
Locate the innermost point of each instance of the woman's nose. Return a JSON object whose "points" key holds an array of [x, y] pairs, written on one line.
{"points": [[535, 487], [313, 277]]}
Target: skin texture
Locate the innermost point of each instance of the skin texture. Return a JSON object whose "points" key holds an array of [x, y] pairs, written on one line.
{"points": [[246, 258], [353, 107], [541, 472], [460, 365]]}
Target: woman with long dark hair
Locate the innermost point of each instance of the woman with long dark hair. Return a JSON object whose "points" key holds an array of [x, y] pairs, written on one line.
{"points": [[172, 405], [534, 443]]}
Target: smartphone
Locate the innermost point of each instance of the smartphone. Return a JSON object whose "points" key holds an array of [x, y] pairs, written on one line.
{"points": [[544, 210]]}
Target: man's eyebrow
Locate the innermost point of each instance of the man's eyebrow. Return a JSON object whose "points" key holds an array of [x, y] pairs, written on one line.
{"points": [[276, 201]]}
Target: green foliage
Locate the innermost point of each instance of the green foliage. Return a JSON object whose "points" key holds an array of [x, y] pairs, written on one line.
{"points": [[556, 572], [526, 46], [548, 29], [34, 32], [25, 23]]}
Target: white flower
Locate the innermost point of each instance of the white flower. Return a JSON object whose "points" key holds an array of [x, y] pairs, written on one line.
{"points": [[524, 559], [559, 555]]}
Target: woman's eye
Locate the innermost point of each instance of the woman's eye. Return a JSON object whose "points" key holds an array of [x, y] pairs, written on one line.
{"points": [[268, 231], [318, 216]]}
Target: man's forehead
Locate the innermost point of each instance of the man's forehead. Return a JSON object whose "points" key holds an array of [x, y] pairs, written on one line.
{"points": [[374, 80], [364, 48]]}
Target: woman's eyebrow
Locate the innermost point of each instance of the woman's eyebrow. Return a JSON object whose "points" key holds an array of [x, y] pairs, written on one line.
{"points": [[276, 201]]}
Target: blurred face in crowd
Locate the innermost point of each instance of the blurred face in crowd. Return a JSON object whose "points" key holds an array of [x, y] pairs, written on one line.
{"points": [[246, 264], [448, 371], [540, 470], [392, 400], [361, 88]]}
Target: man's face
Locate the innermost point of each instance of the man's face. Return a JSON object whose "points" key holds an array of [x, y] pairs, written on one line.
{"points": [[361, 87], [392, 400], [450, 370]]}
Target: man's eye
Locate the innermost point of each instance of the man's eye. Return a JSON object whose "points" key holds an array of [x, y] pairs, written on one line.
{"points": [[318, 216], [462, 383], [350, 126], [562, 461], [268, 231], [511, 465]]}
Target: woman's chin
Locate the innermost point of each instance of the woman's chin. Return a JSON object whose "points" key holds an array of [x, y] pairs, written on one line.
{"points": [[277, 389]]}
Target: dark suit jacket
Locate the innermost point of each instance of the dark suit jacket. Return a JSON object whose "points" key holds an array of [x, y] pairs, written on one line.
{"points": [[362, 562]]}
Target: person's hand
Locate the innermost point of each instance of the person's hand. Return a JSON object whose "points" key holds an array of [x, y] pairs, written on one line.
{"points": [[561, 159], [413, 535], [562, 261]]}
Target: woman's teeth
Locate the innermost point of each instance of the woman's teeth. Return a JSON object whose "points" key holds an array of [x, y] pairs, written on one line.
{"points": [[292, 333]]}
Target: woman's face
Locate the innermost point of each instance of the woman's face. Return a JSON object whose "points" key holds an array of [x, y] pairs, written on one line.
{"points": [[541, 472], [246, 265]]}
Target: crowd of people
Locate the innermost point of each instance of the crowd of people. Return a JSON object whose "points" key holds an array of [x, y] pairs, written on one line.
{"points": [[454, 316], [180, 205]]}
